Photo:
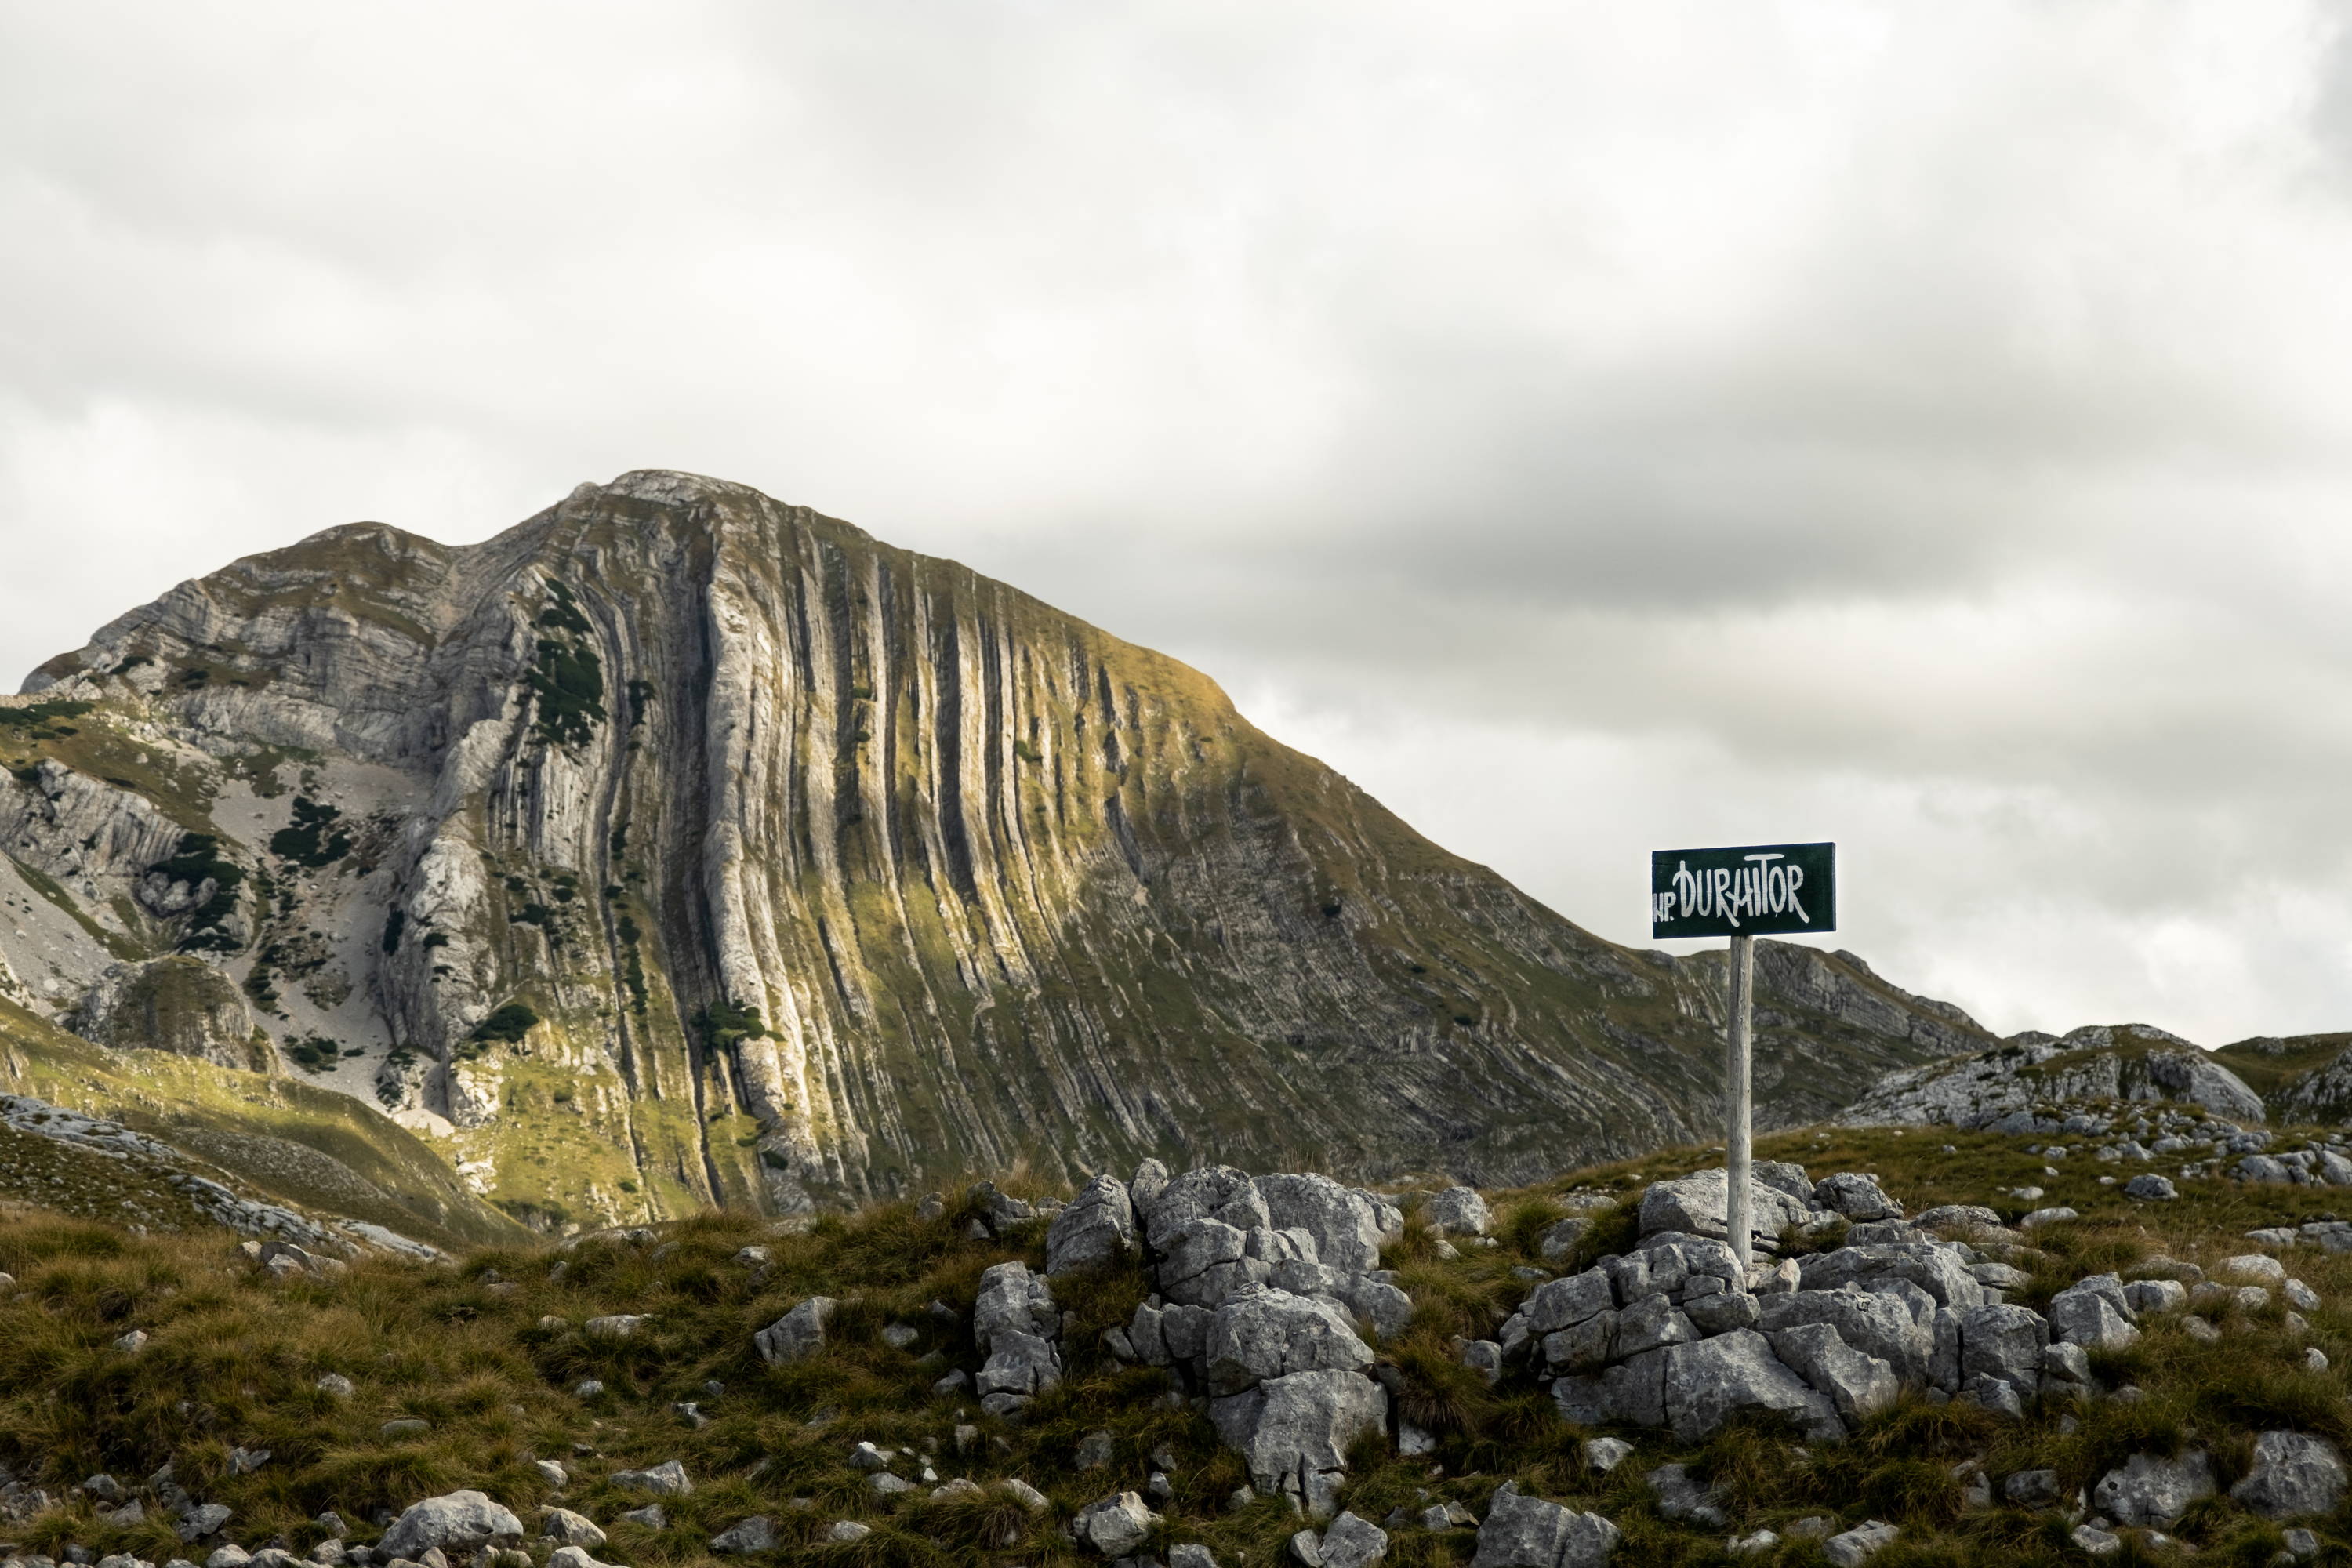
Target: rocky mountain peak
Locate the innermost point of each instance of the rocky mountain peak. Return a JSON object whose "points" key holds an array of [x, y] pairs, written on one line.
{"points": [[681, 845]]}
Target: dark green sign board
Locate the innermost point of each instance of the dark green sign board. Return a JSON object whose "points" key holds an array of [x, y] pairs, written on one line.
{"points": [[1759, 890]]}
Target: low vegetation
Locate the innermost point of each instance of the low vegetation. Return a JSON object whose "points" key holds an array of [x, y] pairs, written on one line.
{"points": [[494, 1354]]}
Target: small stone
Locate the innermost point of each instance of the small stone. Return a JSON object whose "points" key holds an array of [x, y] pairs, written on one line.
{"points": [[335, 1385], [1116, 1525], [797, 1335], [885, 1485], [199, 1522], [2254, 1268], [550, 1472], [2301, 1542], [666, 1479], [135, 1339], [1752, 1545], [1351, 1542], [898, 1336], [653, 1516], [754, 1535], [2150, 1187], [1093, 1451], [2096, 1542], [566, 1527], [848, 1529], [1190, 1555], [587, 1388], [866, 1456], [1605, 1453], [2300, 1296], [1859, 1545], [1457, 1211]]}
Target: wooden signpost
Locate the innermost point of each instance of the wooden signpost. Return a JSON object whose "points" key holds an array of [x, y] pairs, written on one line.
{"points": [[1760, 889]]}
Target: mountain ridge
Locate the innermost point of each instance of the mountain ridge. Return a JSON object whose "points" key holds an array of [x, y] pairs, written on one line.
{"points": [[678, 846]]}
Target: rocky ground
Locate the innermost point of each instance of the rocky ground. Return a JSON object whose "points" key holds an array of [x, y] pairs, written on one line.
{"points": [[1957, 1345]]}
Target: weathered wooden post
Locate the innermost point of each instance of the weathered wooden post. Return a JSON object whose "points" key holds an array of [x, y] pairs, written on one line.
{"points": [[1742, 893]]}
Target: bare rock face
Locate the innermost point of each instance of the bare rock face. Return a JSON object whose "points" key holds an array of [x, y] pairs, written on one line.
{"points": [[678, 846], [2003, 1087]]}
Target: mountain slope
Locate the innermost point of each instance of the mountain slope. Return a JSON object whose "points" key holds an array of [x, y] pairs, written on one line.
{"points": [[679, 846]]}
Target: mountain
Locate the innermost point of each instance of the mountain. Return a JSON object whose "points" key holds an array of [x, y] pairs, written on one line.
{"points": [[678, 846]]}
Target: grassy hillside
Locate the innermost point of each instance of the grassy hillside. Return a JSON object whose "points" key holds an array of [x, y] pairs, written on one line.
{"points": [[489, 1350], [287, 1141]]}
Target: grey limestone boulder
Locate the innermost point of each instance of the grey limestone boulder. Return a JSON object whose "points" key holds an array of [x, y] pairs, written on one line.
{"points": [[1877, 1323], [1353, 1542], [1933, 1268], [1557, 1303], [1784, 1176], [2005, 1344], [1205, 1260], [1650, 1323], [1378, 1301], [1263, 1334], [1212, 1191], [1560, 1241], [2092, 1318], [1855, 1196], [200, 1522], [1115, 1526], [2150, 1187], [1020, 1367], [1011, 1297], [1349, 1226], [757, 1533], [1849, 1548], [1962, 1219], [1293, 1431], [2147, 1296], [566, 1527], [1705, 1384], [562, 1557], [2294, 1476], [1522, 1532], [2153, 1493], [1857, 1384], [1695, 1204], [1457, 1211], [668, 1478], [1097, 1228], [454, 1521], [798, 1333], [1632, 1393]]}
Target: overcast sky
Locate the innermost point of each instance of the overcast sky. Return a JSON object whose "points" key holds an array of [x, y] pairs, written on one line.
{"points": [[1592, 427]]}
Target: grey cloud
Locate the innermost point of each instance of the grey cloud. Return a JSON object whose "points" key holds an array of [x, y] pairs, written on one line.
{"points": [[1937, 417]]}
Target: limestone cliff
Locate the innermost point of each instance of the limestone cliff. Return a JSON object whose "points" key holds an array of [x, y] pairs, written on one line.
{"points": [[679, 845]]}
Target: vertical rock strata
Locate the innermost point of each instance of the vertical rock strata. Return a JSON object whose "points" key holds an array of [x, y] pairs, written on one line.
{"points": [[678, 846]]}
